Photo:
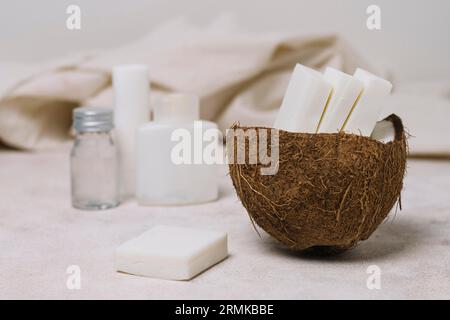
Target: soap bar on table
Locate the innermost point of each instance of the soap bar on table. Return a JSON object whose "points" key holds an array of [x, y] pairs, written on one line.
{"points": [[305, 99], [346, 90], [367, 110], [173, 253]]}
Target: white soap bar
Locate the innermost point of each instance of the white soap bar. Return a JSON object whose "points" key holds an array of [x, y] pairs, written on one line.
{"points": [[367, 110], [173, 253], [305, 99], [346, 90], [384, 131]]}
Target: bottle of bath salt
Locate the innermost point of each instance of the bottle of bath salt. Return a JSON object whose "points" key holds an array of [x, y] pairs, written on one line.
{"points": [[173, 167], [94, 160]]}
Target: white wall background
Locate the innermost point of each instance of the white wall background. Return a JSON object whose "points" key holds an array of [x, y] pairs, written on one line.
{"points": [[414, 41]]}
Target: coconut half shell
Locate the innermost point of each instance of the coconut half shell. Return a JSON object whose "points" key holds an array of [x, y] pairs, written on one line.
{"points": [[331, 190]]}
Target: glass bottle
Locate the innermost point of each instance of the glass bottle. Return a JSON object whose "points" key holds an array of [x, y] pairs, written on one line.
{"points": [[94, 160]]}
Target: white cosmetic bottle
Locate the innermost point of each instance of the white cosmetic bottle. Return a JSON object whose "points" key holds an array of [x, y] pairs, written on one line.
{"points": [[171, 167], [131, 110]]}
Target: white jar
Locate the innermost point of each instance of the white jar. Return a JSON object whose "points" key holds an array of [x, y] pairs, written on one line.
{"points": [[170, 166]]}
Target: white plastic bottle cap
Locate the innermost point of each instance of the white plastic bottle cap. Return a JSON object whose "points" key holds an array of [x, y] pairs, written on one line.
{"points": [[177, 107]]}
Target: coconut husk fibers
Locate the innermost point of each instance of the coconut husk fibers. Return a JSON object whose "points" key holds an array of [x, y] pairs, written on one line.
{"points": [[330, 191]]}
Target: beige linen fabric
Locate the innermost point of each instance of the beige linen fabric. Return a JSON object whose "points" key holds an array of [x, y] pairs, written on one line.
{"points": [[239, 76]]}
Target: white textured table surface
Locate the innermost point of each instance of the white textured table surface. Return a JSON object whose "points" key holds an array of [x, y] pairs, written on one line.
{"points": [[41, 235]]}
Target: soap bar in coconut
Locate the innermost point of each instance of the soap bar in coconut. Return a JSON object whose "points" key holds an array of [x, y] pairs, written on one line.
{"points": [[367, 110], [331, 190], [173, 253], [384, 131], [305, 99], [346, 90]]}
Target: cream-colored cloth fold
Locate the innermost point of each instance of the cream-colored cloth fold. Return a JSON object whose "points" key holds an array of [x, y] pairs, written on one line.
{"points": [[239, 76]]}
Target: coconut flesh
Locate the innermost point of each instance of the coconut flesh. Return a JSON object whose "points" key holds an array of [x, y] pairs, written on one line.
{"points": [[330, 191]]}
